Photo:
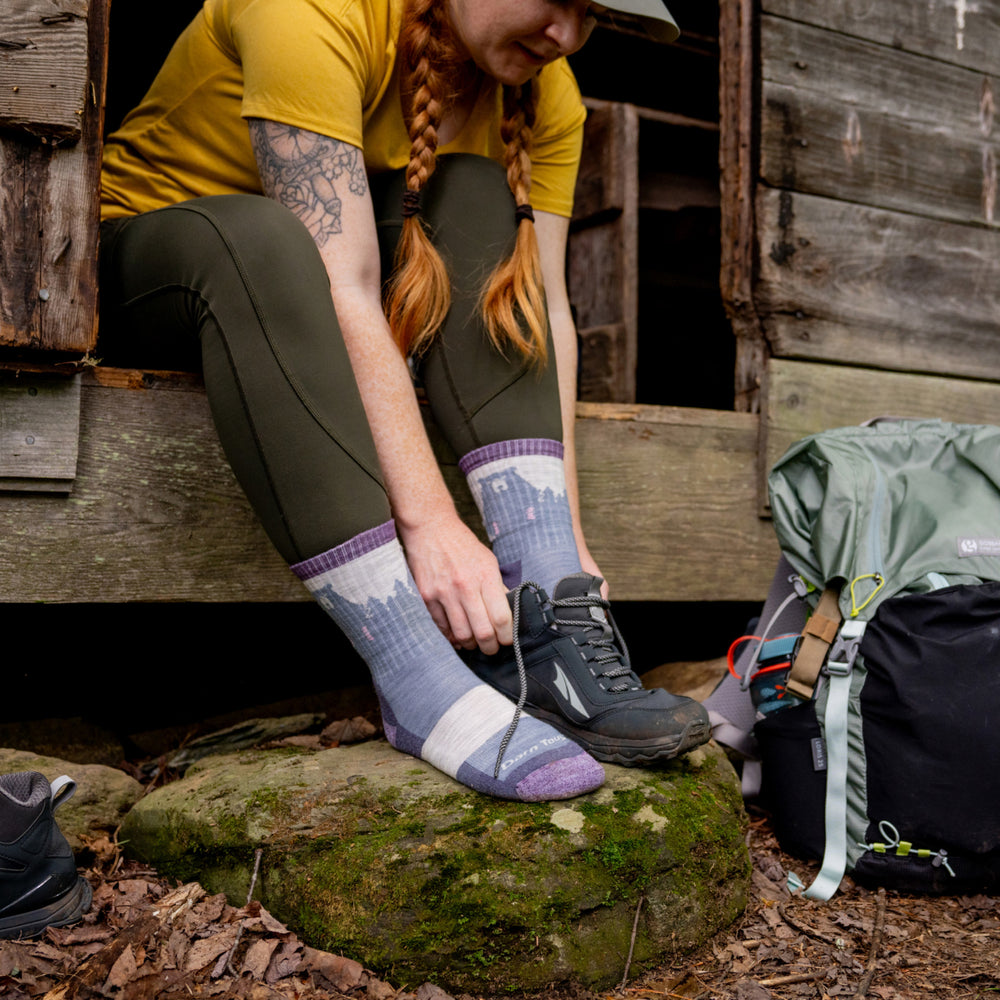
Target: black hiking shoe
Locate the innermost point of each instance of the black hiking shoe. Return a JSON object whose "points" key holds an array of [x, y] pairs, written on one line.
{"points": [[39, 885], [577, 677]]}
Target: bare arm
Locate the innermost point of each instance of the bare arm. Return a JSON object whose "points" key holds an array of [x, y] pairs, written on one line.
{"points": [[553, 231], [323, 181]]}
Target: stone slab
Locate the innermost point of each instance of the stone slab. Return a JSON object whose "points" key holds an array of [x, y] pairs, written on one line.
{"points": [[377, 855]]}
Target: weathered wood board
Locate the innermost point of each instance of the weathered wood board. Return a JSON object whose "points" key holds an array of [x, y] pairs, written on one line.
{"points": [[802, 398], [669, 502], [156, 515], [865, 123], [738, 97], [49, 220], [965, 32], [43, 67], [845, 283], [874, 178], [39, 431], [603, 258]]}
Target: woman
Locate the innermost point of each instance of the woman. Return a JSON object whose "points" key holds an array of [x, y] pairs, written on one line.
{"points": [[334, 109]]}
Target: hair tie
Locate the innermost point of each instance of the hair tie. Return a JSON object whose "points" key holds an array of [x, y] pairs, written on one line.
{"points": [[523, 212], [411, 203]]}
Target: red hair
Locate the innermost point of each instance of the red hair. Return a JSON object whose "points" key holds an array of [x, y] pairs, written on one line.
{"points": [[419, 293]]}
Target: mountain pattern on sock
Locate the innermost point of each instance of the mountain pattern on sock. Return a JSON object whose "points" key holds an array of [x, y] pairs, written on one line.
{"points": [[433, 706], [520, 489]]}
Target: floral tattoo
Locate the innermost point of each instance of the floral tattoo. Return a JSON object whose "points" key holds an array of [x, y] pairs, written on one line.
{"points": [[299, 168]]}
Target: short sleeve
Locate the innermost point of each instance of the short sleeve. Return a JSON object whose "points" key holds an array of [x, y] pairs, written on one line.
{"points": [[315, 64], [555, 158]]}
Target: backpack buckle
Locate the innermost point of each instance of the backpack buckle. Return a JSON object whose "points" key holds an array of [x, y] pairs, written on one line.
{"points": [[845, 648]]}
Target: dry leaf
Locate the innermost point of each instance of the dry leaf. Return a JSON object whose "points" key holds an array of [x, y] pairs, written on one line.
{"points": [[377, 990], [210, 909], [286, 961], [342, 973], [208, 949], [431, 992], [123, 971], [258, 957], [80, 934], [347, 731]]}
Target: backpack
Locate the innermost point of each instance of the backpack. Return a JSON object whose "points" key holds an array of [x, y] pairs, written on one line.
{"points": [[870, 693]]}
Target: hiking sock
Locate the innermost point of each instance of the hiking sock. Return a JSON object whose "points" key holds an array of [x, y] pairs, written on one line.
{"points": [[520, 489], [433, 706]]}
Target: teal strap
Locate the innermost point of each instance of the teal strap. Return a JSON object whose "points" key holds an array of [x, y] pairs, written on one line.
{"points": [[839, 666]]}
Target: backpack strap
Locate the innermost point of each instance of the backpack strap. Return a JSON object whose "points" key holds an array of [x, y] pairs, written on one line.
{"points": [[840, 667], [818, 635]]}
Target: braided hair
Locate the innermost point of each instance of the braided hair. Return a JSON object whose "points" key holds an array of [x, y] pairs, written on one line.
{"points": [[419, 292]]}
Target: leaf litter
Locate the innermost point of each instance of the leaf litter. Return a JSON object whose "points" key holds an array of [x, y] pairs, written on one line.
{"points": [[146, 938]]}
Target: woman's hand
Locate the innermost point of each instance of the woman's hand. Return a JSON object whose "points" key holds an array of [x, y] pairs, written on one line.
{"points": [[459, 580], [589, 566]]}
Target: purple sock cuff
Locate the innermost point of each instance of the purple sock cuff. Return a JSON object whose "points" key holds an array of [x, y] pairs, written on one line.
{"points": [[354, 548], [509, 449]]}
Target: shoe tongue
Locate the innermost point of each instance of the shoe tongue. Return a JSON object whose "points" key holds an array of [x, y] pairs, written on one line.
{"points": [[580, 585]]}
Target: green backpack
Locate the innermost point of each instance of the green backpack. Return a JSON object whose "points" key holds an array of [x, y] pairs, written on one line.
{"points": [[883, 755]]}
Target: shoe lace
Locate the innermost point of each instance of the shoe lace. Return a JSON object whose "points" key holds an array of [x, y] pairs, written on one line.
{"points": [[608, 642], [522, 676]]}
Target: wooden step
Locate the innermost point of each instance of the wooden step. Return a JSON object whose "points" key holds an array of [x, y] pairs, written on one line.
{"points": [[155, 514]]}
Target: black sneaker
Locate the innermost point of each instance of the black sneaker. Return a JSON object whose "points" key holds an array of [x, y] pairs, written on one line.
{"points": [[39, 885], [577, 677]]}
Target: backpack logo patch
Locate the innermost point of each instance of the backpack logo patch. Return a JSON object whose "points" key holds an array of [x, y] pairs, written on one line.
{"points": [[978, 547], [818, 748]]}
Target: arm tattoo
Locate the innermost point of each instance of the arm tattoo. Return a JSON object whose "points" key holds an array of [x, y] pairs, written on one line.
{"points": [[299, 168]]}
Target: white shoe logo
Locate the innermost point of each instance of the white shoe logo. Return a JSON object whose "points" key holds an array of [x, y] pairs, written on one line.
{"points": [[568, 692]]}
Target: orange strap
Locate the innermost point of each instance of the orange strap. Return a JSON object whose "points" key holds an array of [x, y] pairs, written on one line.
{"points": [[817, 637]]}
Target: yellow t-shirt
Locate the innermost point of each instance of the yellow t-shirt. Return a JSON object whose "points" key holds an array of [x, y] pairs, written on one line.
{"points": [[323, 65]]}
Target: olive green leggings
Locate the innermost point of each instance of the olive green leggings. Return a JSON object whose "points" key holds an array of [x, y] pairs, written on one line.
{"points": [[240, 277]]}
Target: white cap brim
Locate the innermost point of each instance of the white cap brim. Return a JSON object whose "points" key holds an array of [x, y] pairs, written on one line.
{"points": [[658, 21]]}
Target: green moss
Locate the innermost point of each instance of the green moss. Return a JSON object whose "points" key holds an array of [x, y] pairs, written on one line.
{"points": [[493, 895]]}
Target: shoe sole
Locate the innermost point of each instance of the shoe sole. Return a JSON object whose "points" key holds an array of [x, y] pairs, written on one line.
{"points": [[637, 753], [67, 909]]}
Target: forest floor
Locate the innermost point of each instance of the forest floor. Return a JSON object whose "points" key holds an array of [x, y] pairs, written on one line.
{"points": [[146, 939]]}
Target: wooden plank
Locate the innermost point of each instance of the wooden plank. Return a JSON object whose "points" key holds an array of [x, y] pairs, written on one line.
{"points": [[738, 96], [156, 514], [601, 377], [966, 32], [882, 79], [670, 506], [844, 283], [802, 398], [604, 248], [48, 225], [43, 68], [609, 156], [39, 431], [856, 121]]}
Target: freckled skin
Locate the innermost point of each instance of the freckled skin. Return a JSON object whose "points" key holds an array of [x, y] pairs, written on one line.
{"points": [[513, 40]]}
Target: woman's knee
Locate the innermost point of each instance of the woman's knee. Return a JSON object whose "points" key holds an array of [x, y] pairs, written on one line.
{"points": [[191, 241], [262, 238]]}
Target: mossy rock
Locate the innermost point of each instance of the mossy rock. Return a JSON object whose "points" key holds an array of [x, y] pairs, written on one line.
{"points": [[103, 794], [376, 855]]}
